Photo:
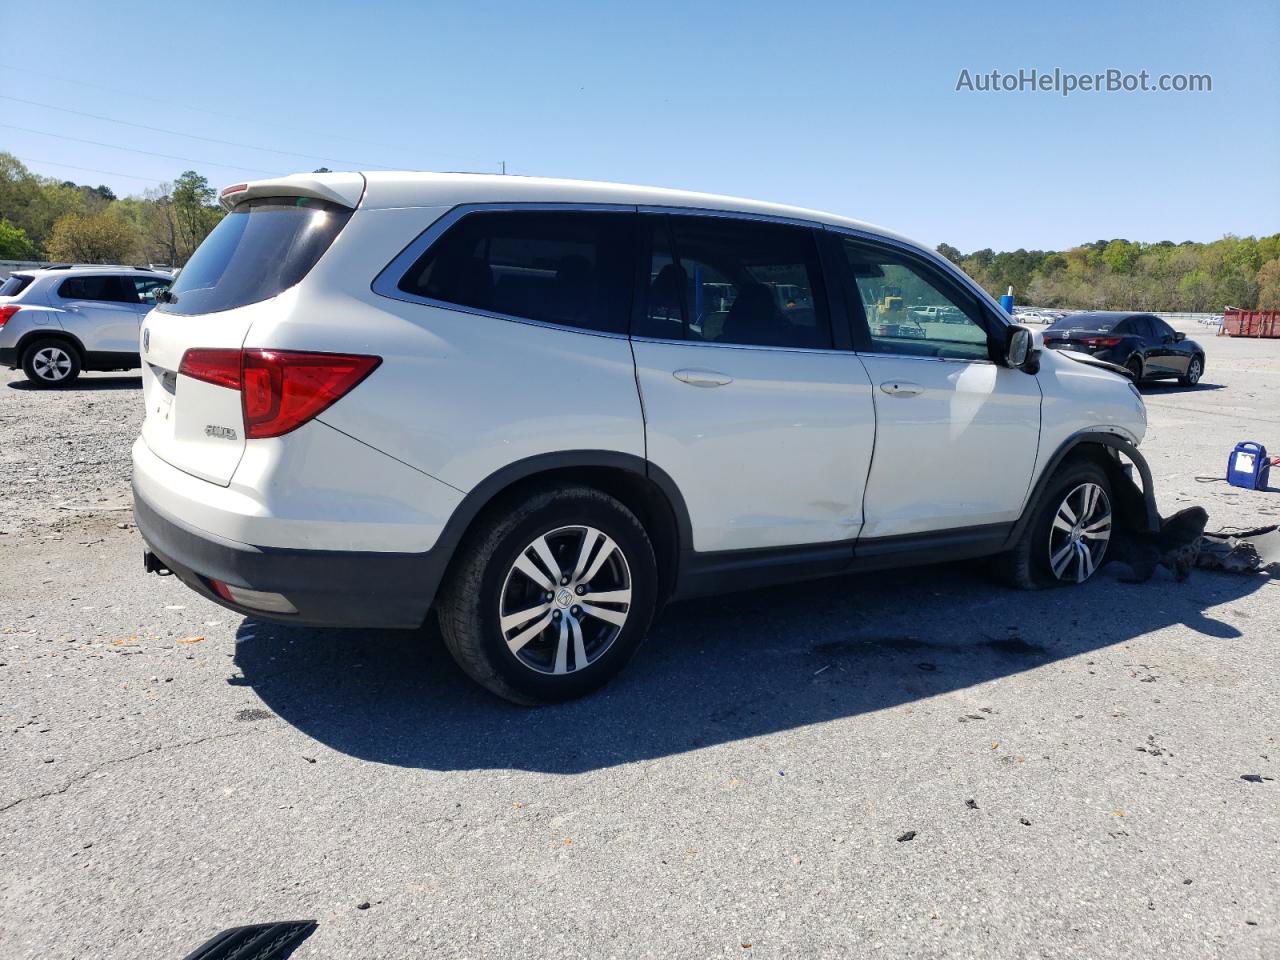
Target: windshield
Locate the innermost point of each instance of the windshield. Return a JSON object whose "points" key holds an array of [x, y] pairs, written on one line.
{"points": [[260, 248]]}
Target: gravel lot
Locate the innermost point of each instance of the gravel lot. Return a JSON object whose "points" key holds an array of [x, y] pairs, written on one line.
{"points": [[910, 764]]}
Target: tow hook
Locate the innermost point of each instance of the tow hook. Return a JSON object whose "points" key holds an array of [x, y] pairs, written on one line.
{"points": [[153, 564]]}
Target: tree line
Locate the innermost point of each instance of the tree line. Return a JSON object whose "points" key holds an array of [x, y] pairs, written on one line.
{"points": [[50, 219], [1123, 275], [43, 218]]}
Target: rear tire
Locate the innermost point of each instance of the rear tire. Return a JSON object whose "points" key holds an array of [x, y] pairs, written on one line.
{"points": [[550, 595], [1134, 366], [51, 363], [1195, 370], [1066, 540]]}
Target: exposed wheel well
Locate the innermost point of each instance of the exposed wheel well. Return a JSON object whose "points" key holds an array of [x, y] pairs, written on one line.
{"points": [[641, 495], [1127, 500]]}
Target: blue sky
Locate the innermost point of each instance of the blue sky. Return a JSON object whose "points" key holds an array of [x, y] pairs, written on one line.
{"points": [[847, 107]]}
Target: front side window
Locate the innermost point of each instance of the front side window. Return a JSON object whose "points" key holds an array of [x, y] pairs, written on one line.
{"points": [[723, 280], [1160, 328], [910, 309], [562, 267], [148, 288]]}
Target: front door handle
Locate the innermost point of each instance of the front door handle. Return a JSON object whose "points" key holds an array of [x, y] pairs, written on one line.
{"points": [[702, 378], [901, 388]]}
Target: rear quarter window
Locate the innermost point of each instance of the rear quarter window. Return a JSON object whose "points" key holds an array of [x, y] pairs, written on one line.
{"points": [[261, 248]]}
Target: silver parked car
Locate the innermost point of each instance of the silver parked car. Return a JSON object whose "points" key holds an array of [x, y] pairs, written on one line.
{"points": [[60, 320]]}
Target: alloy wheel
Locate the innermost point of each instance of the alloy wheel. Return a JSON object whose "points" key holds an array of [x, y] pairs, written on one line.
{"points": [[51, 364], [1193, 371], [1080, 533], [565, 600]]}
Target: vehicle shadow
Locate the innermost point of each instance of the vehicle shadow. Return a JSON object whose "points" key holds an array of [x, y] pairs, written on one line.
{"points": [[83, 384], [1173, 386], [715, 670]]}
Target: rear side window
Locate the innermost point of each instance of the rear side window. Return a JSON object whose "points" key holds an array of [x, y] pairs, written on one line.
{"points": [[101, 289], [15, 284], [722, 280], [258, 250], [562, 267]]}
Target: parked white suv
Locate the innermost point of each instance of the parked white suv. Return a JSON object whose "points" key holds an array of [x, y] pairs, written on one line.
{"points": [[548, 407], [60, 320]]}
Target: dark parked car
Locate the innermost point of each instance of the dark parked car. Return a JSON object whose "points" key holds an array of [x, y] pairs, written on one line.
{"points": [[1142, 343]]}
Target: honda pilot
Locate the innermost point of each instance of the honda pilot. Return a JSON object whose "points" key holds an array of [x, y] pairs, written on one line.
{"points": [[539, 410]]}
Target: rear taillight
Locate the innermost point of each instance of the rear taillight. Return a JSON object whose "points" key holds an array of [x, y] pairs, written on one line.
{"points": [[7, 311], [280, 390], [1100, 341], [219, 367]]}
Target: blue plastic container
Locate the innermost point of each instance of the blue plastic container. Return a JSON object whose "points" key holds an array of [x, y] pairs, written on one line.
{"points": [[1248, 466]]}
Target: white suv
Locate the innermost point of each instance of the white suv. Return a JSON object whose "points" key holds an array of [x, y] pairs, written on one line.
{"points": [[58, 321], [546, 407]]}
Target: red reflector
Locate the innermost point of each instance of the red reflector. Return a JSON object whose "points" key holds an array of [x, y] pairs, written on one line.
{"points": [[219, 367], [7, 311], [221, 590], [283, 389]]}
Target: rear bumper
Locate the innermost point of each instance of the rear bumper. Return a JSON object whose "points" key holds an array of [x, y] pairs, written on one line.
{"points": [[329, 588]]}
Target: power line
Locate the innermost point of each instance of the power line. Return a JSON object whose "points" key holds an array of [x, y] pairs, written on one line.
{"points": [[227, 116], [226, 143], [72, 166], [150, 153]]}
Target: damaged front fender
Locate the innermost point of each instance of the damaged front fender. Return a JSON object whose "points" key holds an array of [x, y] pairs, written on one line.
{"points": [[1134, 503]]}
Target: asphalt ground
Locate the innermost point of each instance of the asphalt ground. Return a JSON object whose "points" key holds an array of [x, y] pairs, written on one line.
{"points": [[917, 763]]}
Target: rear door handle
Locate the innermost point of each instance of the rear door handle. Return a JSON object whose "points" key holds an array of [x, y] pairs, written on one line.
{"points": [[901, 388], [702, 378]]}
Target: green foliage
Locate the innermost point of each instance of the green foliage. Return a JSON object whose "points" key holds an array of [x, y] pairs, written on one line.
{"points": [[1122, 275], [165, 225], [1269, 285], [93, 238], [14, 244]]}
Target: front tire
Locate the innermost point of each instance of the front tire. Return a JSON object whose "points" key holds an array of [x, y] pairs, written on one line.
{"points": [[51, 363], [1066, 540], [550, 596], [1195, 370]]}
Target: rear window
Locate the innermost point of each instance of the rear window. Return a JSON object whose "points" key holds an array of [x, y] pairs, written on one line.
{"points": [[1084, 321], [261, 248], [15, 285]]}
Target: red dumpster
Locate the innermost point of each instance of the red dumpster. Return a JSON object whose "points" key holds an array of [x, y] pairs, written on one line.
{"points": [[1251, 323]]}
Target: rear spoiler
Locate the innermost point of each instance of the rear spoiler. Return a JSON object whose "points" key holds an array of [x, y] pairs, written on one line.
{"points": [[344, 189]]}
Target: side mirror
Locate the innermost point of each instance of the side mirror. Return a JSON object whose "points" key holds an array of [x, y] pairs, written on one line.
{"points": [[1019, 351], [1179, 336]]}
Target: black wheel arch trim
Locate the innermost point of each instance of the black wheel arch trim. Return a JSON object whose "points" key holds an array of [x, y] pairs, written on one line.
{"points": [[483, 494], [27, 339], [1147, 518]]}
